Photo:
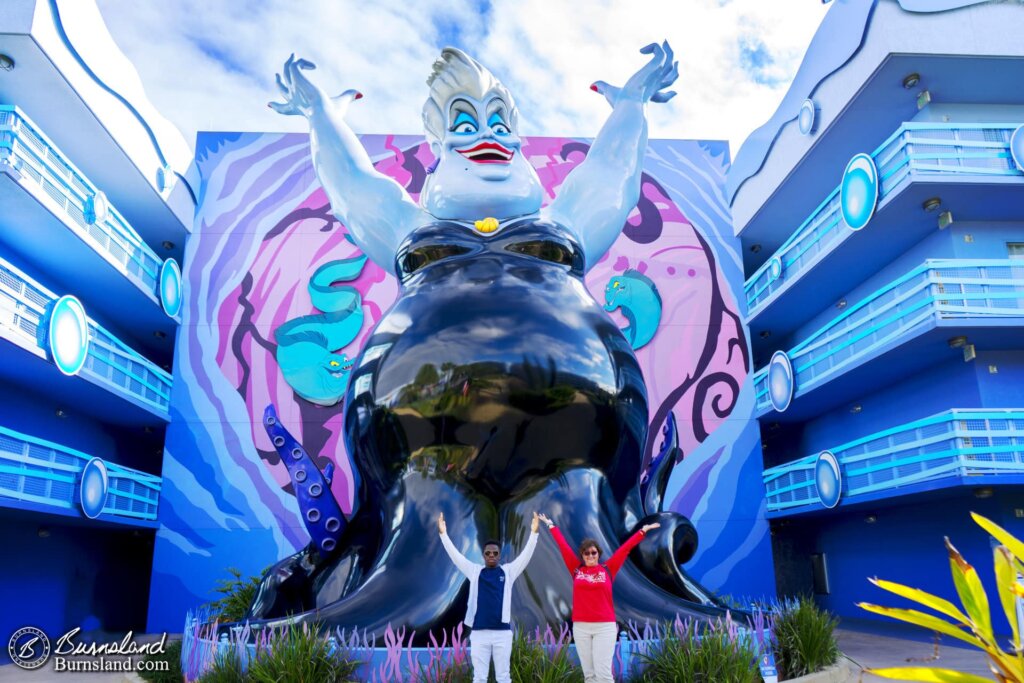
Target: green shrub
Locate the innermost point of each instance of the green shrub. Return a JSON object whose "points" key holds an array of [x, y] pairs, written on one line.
{"points": [[227, 668], [689, 655], [238, 594], [804, 639], [171, 655], [543, 659], [301, 655]]}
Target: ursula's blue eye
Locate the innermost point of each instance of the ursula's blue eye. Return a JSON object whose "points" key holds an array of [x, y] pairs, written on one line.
{"points": [[464, 124], [497, 125]]}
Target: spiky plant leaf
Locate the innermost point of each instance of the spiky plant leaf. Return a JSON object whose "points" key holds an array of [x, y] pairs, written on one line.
{"points": [[921, 597], [1012, 543], [932, 623], [971, 592], [1006, 580], [920, 673]]}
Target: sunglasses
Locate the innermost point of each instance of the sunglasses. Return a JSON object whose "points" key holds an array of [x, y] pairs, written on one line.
{"points": [[588, 553], [492, 553]]}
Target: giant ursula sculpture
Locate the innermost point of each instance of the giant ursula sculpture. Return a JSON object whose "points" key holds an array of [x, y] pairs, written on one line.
{"points": [[496, 385]]}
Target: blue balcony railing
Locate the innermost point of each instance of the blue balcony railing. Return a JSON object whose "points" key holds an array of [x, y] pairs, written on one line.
{"points": [[954, 149], [43, 473], [109, 362], [953, 445], [937, 290], [32, 154]]}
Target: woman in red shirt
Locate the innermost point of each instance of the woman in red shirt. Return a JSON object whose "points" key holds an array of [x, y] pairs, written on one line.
{"points": [[593, 613]]}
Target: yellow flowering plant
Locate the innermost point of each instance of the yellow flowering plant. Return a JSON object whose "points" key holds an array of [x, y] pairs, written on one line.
{"points": [[973, 623]]}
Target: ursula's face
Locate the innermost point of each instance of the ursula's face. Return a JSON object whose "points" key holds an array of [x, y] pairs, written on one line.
{"points": [[481, 171]]}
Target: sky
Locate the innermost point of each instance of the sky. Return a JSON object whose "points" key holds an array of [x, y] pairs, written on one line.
{"points": [[210, 64]]}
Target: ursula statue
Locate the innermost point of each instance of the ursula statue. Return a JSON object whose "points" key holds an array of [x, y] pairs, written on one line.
{"points": [[496, 385]]}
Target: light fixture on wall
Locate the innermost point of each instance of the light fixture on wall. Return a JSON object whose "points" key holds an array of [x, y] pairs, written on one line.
{"points": [[911, 80], [984, 492], [6, 62], [167, 244], [856, 408], [924, 98], [765, 334], [841, 304], [755, 248], [43, 532], [160, 334], [60, 412], [962, 343], [931, 204], [870, 519]]}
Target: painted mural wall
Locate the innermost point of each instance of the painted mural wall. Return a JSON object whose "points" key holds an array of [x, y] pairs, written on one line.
{"points": [[278, 302]]}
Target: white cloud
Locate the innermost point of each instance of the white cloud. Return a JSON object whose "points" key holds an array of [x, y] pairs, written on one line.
{"points": [[210, 66]]}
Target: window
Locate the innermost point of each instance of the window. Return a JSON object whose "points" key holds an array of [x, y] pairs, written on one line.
{"points": [[1015, 250]]}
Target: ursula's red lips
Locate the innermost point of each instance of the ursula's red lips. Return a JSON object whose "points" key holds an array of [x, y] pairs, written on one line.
{"points": [[488, 153]]}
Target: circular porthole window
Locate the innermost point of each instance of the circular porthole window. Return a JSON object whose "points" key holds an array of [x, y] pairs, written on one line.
{"points": [[858, 194], [68, 335], [93, 488], [807, 119], [1017, 148], [828, 479], [781, 383], [170, 287], [96, 208]]}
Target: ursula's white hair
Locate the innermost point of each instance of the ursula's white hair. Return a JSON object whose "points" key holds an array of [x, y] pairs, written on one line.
{"points": [[455, 73]]}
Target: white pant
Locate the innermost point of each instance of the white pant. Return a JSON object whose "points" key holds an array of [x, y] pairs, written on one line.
{"points": [[595, 646], [486, 644]]}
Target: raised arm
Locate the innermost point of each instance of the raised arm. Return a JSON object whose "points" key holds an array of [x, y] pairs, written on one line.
{"points": [[596, 198], [377, 211], [618, 558], [572, 561], [458, 559], [516, 566]]}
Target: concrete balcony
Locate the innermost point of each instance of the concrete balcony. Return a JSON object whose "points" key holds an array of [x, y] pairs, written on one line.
{"points": [[956, 448], [59, 221], [896, 331], [968, 166], [43, 476], [75, 359]]}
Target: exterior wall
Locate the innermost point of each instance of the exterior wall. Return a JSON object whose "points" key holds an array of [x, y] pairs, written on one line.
{"points": [[904, 544], [853, 72], [264, 226]]}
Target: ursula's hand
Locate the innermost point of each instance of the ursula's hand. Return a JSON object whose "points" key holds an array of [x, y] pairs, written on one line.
{"points": [[441, 526], [649, 83], [546, 520], [535, 524], [302, 96]]}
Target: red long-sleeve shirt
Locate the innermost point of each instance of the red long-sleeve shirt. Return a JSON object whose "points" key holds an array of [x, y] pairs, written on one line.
{"points": [[592, 586]]}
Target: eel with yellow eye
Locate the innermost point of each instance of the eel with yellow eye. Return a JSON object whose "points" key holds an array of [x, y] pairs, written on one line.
{"points": [[638, 298]]}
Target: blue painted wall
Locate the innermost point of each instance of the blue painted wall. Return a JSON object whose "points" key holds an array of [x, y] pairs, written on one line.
{"points": [[66, 574], [904, 544], [1003, 388]]}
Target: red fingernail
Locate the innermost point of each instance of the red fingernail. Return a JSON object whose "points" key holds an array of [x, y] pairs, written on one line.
{"points": [[359, 95], [593, 86]]}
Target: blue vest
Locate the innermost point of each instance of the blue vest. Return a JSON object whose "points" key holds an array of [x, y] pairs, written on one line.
{"points": [[489, 599]]}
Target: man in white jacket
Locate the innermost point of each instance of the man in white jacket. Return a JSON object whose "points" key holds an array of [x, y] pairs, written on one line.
{"points": [[488, 611]]}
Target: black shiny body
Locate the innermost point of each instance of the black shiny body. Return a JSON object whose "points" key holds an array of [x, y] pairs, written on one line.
{"points": [[495, 386]]}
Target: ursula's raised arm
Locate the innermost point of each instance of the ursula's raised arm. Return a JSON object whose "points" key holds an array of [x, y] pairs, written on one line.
{"points": [[596, 198], [377, 211]]}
